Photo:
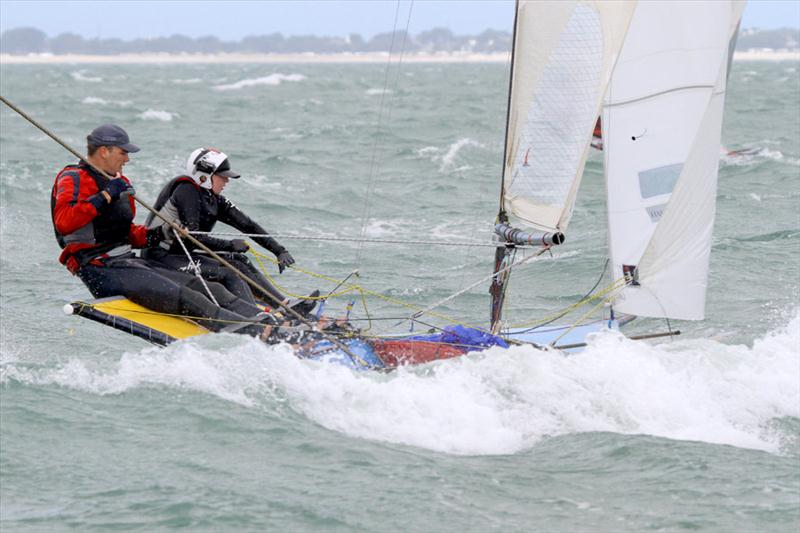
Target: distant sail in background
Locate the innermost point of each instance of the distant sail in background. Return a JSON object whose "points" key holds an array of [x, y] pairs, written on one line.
{"points": [[662, 121]]}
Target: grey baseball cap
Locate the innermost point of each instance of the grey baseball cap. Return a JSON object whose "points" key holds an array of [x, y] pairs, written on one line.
{"points": [[111, 135]]}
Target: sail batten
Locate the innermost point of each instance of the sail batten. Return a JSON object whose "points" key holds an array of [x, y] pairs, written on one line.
{"points": [[655, 95]]}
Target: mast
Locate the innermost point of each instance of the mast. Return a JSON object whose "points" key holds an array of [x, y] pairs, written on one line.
{"points": [[501, 215], [499, 282]]}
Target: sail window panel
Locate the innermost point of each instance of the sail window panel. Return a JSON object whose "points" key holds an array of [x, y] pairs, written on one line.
{"points": [[551, 144], [658, 181], [647, 142]]}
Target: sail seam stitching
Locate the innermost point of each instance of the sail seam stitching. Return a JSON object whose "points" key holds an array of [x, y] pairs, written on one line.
{"points": [[668, 91]]}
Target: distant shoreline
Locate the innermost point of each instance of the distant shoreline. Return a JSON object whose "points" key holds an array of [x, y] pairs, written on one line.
{"points": [[309, 58], [371, 57]]}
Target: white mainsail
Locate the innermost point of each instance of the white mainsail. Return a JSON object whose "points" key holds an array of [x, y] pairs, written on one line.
{"points": [[564, 52], [662, 122]]}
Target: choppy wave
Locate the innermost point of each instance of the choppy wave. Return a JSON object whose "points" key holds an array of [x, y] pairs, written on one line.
{"points": [[447, 158], [187, 81], [272, 79], [94, 100], [495, 402], [383, 228], [753, 156], [155, 114], [373, 92], [80, 75], [772, 236]]}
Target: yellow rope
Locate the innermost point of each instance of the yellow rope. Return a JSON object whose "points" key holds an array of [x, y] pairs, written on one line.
{"points": [[364, 292], [583, 317], [258, 256], [570, 308], [359, 288]]}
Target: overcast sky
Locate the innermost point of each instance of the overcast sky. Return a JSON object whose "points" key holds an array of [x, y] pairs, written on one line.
{"points": [[233, 20]]}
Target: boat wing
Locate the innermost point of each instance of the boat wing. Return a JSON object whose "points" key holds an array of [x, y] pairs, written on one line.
{"points": [[124, 315]]}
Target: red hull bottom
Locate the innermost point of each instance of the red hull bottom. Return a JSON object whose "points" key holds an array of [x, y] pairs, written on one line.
{"points": [[403, 352]]}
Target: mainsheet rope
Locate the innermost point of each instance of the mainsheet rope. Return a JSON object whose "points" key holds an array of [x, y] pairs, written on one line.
{"points": [[195, 267]]}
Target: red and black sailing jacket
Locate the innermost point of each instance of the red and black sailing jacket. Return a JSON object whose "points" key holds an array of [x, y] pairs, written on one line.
{"points": [[84, 233]]}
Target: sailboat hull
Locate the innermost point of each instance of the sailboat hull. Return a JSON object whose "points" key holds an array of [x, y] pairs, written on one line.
{"points": [[563, 335], [365, 354]]}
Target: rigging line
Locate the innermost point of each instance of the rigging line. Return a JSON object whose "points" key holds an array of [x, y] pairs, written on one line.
{"points": [[195, 267], [660, 305], [472, 286], [364, 292], [468, 252], [585, 315], [355, 239], [365, 212], [569, 309], [348, 289], [617, 284], [377, 159]]}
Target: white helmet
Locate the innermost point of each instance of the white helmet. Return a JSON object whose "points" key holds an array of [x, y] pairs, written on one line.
{"points": [[204, 163]]}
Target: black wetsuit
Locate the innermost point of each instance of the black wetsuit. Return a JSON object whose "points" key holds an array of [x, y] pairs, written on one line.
{"points": [[199, 209]]}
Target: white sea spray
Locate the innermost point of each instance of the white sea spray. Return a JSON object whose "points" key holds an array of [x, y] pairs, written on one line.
{"points": [[447, 157], [80, 75], [271, 80], [493, 402], [156, 114]]}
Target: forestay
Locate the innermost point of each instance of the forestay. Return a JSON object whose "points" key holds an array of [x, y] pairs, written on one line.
{"points": [[662, 120], [563, 55]]}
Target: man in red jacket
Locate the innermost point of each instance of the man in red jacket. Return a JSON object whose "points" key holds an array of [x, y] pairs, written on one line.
{"points": [[93, 223]]}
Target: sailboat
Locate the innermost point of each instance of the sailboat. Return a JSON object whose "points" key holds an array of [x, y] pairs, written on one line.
{"points": [[656, 74]]}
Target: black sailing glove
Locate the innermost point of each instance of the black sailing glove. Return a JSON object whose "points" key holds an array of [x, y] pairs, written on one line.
{"points": [[155, 236], [284, 259], [238, 246], [114, 188], [117, 186]]}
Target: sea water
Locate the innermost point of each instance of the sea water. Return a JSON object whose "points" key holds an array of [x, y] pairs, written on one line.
{"points": [[101, 432]]}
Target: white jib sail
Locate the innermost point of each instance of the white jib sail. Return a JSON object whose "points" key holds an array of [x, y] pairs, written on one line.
{"points": [[563, 56], [662, 122]]}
